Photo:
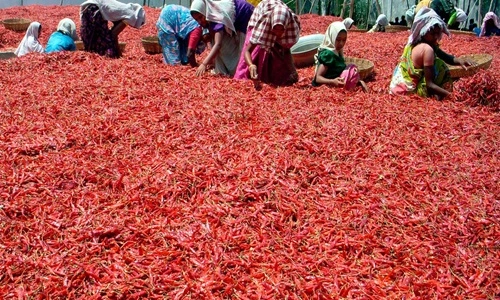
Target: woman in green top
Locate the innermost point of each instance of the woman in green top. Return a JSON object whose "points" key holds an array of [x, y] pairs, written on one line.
{"points": [[331, 68]]}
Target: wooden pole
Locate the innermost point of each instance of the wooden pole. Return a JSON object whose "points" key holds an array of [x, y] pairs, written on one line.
{"points": [[312, 6], [369, 11], [479, 21], [303, 6], [378, 8], [351, 9], [343, 9], [491, 6]]}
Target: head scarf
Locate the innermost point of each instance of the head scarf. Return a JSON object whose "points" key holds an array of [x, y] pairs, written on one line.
{"points": [[461, 15], [30, 41], [382, 20], [410, 14], [348, 22], [268, 14], [132, 14], [425, 19], [68, 27], [489, 16], [331, 34], [221, 12]]}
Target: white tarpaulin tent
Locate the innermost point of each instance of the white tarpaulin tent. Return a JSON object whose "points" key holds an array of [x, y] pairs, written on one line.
{"points": [[391, 8], [152, 3]]}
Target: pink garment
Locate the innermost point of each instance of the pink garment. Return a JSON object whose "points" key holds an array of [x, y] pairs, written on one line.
{"points": [[242, 68], [273, 67], [194, 38], [351, 76], [489, 16]]}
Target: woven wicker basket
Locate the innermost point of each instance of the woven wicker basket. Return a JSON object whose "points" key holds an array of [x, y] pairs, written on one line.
{"points": [[461, 32], [18, 24], [7, 54], [483, 62], [151, 44], [396, 28], [365, 66], [122, 46], [80, 46], [357, 30]]}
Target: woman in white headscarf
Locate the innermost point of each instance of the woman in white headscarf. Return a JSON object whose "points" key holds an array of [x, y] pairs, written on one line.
{"points": [[63, 39], [410, 14], [227, 22], [94, 31], [422, 69], [380, 24], [461, 17], [331, 68], [30, 41], [348, 23]]}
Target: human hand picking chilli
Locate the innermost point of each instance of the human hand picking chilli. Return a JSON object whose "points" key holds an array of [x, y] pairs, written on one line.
{"points": [[253, 71], [464, 62], [338, 82]]}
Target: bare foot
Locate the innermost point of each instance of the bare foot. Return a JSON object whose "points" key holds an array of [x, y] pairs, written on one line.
{"points": [[364, 86]]}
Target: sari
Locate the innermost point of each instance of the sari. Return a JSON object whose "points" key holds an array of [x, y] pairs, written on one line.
{"points": [[30, 42], [94, 30], [221, 18], [406, 79], [175, 26], [271, 54]]}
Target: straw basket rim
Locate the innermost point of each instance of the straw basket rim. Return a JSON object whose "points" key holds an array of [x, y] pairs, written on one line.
{"points": [[365, 66], [7, 54], [79, 45], [357, 30], [461, 32], [396, 28], [483, 61], [122, 46], [16, 24], [151, 44]]}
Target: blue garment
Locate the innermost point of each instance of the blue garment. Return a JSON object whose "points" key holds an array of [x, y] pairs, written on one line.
{"points": [[174, 26], [477, 31], [58, 41], [243, 13]]}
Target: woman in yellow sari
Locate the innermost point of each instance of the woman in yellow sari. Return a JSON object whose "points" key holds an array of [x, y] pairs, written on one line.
{"points": [[422, 68]]}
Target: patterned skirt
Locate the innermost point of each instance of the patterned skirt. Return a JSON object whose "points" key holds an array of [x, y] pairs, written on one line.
{"points": [[274, 66], [96, 35]]}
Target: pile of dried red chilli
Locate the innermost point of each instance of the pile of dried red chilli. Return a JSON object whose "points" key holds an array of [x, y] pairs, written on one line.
{"points": [[128, 178]]}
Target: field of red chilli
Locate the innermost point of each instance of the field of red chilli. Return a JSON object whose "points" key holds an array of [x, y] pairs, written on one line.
{"points": [[127, 178]]}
